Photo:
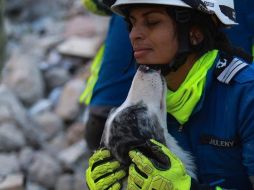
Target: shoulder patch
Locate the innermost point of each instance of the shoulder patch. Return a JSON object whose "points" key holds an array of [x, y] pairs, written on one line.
{"points": [[227, 68]]}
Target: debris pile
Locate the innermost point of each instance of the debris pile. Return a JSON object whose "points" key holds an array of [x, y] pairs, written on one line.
{"points": [[50, 48]]}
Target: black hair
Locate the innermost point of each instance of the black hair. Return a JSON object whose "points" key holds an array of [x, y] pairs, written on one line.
{"points": [[214, 37]]}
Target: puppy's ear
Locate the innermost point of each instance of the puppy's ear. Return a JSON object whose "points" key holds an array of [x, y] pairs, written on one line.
{"points": [[157, 156]]}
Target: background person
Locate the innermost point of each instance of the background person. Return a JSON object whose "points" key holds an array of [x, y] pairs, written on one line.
{"points": [[242, 35], [209, 101], [112, 71]]}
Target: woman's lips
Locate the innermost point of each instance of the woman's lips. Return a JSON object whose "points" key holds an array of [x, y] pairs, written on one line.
{"points": [[140, 52]]}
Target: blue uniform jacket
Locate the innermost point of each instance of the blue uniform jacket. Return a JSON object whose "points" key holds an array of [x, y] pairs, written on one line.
{"points": [[220, 132], [118, 66], [242, 35]]}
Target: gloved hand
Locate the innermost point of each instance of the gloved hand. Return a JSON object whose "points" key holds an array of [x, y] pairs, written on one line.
{"points": [[145, 174], [104, 172]]}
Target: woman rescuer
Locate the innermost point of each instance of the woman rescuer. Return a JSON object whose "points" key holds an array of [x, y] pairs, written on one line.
{"points": [[210, 99]]}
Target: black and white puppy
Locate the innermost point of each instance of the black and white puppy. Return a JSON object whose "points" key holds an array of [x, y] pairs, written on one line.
{"points": [[142, 117]]}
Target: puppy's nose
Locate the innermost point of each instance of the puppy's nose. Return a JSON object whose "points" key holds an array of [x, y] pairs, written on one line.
{"points": [[144, 68], [149, 69]]}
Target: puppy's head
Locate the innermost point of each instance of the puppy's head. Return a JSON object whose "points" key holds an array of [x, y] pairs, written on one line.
{"points": [[141, 117], [148, 86]]}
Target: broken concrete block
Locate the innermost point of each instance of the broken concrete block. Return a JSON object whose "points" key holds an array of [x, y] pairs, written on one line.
{"points": [[12, 182]]}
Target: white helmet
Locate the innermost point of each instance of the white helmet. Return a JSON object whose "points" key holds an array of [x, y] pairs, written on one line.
{"points": [[223, 9]]}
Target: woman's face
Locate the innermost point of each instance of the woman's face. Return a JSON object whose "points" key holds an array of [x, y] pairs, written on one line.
{"points": [[153, 35]]}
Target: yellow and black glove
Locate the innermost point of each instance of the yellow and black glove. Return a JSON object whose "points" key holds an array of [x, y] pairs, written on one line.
{"points": [[145, 174], [104, 172], [161, 170]]}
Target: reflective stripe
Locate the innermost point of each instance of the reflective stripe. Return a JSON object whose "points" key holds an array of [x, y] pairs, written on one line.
{"points": [[231, 70], [94, 71]]}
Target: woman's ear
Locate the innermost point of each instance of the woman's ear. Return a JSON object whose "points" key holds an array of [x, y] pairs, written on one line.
{"points": [[195, 36]]}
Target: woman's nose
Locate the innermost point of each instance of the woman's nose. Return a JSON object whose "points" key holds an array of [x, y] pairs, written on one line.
{"points": [[136, 33]]}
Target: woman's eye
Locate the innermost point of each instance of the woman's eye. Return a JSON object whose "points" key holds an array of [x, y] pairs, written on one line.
{"points": [[152, 22]]}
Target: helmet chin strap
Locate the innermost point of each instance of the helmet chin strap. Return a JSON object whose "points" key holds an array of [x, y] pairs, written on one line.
{"points": [[184, 47], [182, 19]]}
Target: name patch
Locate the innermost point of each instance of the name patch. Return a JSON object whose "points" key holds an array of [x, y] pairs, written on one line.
{"points": [[214, 141]]}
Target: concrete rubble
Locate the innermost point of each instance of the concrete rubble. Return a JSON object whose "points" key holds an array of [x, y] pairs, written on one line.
{"points": [[49, 52]]}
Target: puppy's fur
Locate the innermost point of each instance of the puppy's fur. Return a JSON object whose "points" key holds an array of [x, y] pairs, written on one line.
{"points": [[142, 117]]}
